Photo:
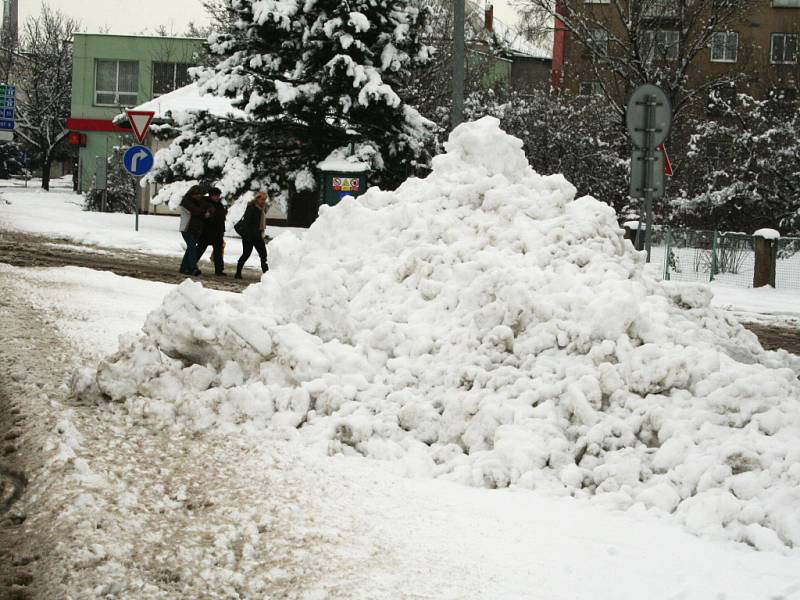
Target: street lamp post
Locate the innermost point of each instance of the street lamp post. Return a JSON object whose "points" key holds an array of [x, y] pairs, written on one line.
{"points": [[457, 115]]}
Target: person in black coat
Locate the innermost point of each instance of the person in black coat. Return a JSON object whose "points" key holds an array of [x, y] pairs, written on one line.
{"points": [[194, 210], [254, 222], [214, 231]]}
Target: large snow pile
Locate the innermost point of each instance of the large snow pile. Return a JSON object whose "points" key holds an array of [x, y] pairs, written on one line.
{"points": [[482, 325]]}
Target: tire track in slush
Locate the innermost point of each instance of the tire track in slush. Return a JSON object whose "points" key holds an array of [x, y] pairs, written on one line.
{"points": [[26, 250]]}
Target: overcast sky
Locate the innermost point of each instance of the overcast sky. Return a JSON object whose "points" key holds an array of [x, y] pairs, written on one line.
{"points": [[136, 16]]}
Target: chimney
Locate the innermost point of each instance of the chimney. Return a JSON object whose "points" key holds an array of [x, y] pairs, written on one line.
{"points": [[488, 16], [10, 22]]}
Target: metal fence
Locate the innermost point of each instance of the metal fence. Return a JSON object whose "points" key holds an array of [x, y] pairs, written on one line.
{"points": [[724, 257]]}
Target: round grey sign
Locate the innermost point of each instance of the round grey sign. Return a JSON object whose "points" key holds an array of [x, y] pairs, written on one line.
{"points": [[643, 98]]}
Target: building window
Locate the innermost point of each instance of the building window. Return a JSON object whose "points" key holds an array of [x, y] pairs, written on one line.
{"points": [[116, 82], [661, 44], [786, 3], [169, 76], [597, 42], [783, 49], [723, 46], [655, 9], [590, 88]]}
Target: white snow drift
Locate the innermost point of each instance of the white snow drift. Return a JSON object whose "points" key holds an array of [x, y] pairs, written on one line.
{"points": [[483, 326]]}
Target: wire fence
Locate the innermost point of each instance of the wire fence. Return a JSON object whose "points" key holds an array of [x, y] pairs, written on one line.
{"points": [[724, 257]]}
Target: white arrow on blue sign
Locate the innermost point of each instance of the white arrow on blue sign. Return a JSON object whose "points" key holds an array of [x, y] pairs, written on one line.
{"points": [[138, 160]]}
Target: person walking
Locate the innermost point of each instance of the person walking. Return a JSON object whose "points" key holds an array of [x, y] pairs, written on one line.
{"points": [[214, 231], [194, 211], [254, 222]]}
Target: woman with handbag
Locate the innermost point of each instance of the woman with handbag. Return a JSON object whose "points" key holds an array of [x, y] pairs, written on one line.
{"points": [[251, 229]]}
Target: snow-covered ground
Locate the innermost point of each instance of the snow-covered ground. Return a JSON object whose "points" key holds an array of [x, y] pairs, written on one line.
{"points": [[59, 213], [354, 529], [213, 476], [760, 305]]}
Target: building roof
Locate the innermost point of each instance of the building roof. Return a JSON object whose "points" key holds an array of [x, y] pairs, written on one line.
{"points": [[186, 100], [138, 35], [508, 37]]}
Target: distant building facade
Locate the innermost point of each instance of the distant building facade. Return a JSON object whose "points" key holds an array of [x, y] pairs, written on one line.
{"points": [[113, 72], [519, 63], [762, 48]]}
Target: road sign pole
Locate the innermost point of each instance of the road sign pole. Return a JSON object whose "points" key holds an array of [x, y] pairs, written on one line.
{"points": [[136, 195], [137, 160], [105, 186], [648, 117], [648, 173], [457, 114]]}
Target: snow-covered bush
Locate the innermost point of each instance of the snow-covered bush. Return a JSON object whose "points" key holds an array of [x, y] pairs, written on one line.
{"points": [[743, 171], [577, 136], [484, 326], [11, 162], [120, 195]]}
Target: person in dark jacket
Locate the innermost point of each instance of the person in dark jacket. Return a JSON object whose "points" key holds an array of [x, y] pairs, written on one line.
{"points": [[254, 222], [214, 231], [194, 211]]}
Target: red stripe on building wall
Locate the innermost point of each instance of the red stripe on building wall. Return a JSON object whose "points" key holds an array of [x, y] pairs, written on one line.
{"points": [[94, 125], [559, 36]]}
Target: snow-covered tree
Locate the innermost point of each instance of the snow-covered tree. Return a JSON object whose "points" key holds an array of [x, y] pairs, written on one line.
{"points": [[629, 43], [220, 18], [577, 136], [431, 88], [44, 80], [312, 78], [120, 193], [743, 171]]}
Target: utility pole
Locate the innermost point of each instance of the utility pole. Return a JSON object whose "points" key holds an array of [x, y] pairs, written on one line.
{"points": [[457, 115]]}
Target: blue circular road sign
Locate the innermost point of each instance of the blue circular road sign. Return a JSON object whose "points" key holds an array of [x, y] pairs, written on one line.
{"points": [[138, 160]]}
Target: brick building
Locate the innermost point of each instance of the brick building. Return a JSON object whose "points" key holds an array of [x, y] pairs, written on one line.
{"points": [[729, 46]]}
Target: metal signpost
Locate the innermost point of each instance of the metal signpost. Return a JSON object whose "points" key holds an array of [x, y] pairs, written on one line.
{"points": [[648, 117], [457, 114], [138, 160], [101, 178]]}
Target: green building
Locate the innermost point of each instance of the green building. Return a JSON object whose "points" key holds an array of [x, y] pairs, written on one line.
{"points": [[113, 72]]}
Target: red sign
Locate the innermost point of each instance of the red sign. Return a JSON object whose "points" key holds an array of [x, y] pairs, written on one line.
{"points": [[140, 122], [667, 164], [76, 138], [94, 125], [345, 184]]}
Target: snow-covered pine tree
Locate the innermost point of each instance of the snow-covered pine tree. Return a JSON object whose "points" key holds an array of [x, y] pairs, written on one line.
{"points": [[312, 77]]}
